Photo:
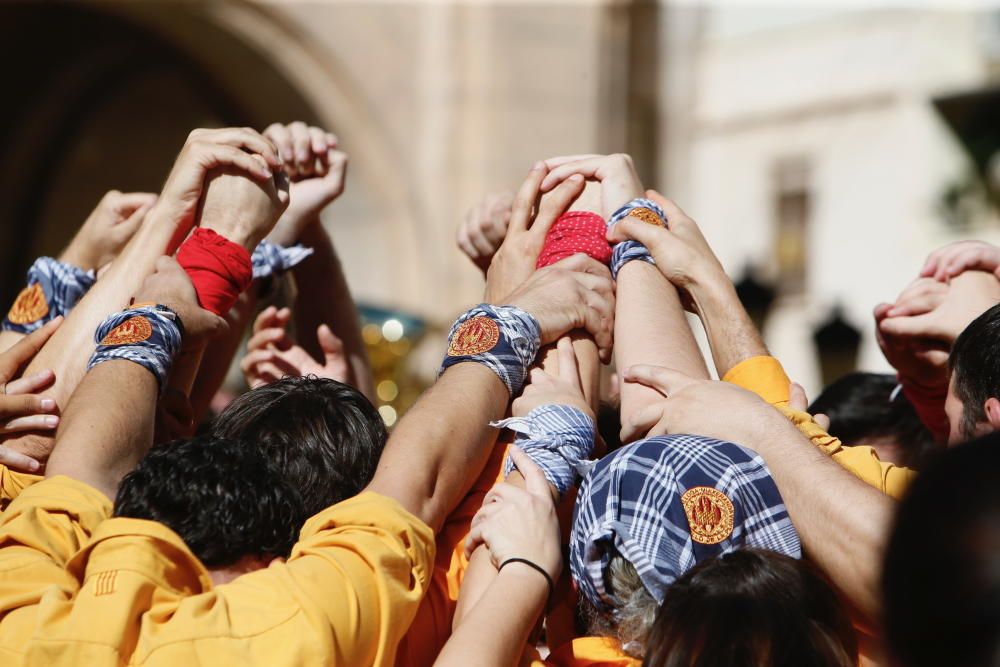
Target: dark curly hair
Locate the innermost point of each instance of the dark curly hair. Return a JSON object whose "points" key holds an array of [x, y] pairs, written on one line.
{"points": [[324, 436], [226, 500]]}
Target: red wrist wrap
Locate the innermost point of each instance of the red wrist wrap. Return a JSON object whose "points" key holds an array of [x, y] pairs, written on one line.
{"points": [[575, 232], [220, 269]]}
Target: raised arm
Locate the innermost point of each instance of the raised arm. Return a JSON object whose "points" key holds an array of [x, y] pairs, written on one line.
{"points": [[166, 225], [843, 523], [437, 451], [318, 174], [107, 425]]}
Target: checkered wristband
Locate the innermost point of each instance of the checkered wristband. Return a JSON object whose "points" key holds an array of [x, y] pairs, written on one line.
{"points": [[53, 289], [270, 259], [503, 338], [646, 210], [558, 438], [148, 335]]}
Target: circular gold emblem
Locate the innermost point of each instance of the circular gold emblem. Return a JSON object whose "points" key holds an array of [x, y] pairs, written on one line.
{"points": [[133, 330], [30, 305], [709, 514], [647, 215], [480, 334]]}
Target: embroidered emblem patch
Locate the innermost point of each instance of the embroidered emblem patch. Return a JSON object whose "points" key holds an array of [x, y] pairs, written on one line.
{"points": [[30, 305], [709, 514], [646, 215], [480, 334], [133, 330]]}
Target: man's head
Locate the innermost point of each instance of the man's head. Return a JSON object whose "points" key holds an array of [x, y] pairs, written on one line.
{"points": [[226, 500], [941, 579], [866, 409], [972, 405], [324, 436]]}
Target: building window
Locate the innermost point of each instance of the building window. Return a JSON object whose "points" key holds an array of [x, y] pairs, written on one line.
{"points": [[791, 212]]}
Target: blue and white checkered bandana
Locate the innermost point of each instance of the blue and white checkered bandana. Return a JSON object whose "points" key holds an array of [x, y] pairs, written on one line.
{"points": [[63, 285], [632, 501], [148, 335], [629, 250], [558, 438], [510, 354], [269, 259]]}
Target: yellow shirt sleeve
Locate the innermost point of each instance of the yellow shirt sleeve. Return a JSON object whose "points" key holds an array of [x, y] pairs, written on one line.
{"points": [[345, 596], [765, 377], [39, 532], [12, 484]]}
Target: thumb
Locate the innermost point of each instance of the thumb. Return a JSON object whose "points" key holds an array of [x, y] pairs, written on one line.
{"points": [[333, 347], [823, 421], [534, 478], [917, 326], [665, 380], [797, 399], [636, 230]]}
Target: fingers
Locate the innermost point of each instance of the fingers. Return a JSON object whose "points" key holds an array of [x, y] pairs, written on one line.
{"points": [[272, 317], [581, 263], [332, 346], [568, 370], [17, 460], [797, 399], [241, 138], [32, 383], [302, 148], [641, 423], [524, 201], [282, 140], [636, 230], [667, 381], [823, 421], [25, 350], [21, 405], [586, 167], [556, 203], [211, 156], [554, 162], [917, 326], [265, 338], [127, 203], [670, 209], [30, 423], [534, 478]]}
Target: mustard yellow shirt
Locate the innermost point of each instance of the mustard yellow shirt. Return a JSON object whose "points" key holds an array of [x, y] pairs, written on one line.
{"points": [[765, 377], [584, 652], [12, 483], [345, 596]]}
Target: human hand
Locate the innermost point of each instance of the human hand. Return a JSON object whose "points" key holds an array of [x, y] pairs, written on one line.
{"points": [[712, 409], [574, 293], [107, 229], [515, 261], [681, 252], [544, 388], [519, 523], [240, 209], [484, 228], [272, 355], [619, 182], [241, 149], [20, 408], [798, 400], [170, 286], [317, 171], [956, 258]]}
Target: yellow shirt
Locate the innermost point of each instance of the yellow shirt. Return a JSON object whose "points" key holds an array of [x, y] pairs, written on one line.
{"points": [[765, 377], [584, 652], [345, 596], [12, 483]]}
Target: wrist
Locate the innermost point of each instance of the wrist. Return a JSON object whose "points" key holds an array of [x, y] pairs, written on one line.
{"points": [[535, 574], [78, 257]]}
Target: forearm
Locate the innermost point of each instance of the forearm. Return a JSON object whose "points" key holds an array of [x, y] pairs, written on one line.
{"points": [[842, 522], [439, 448], [731, 333], [107, 426], [218, 356], [325, 298], [496, 629], [651, 328], [70, 347]]}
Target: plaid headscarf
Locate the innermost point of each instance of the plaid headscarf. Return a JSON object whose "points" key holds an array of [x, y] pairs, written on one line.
{"points": [[632, 500]]}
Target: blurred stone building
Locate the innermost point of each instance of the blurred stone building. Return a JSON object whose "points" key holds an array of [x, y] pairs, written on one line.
{"points": [[822, 152]]}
